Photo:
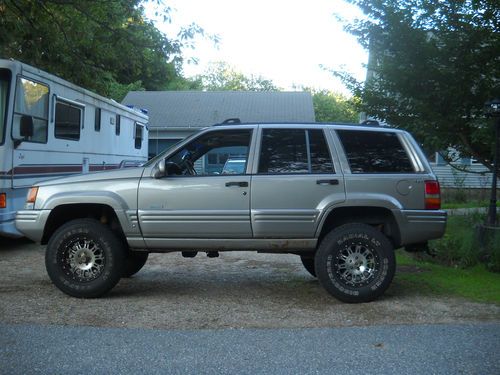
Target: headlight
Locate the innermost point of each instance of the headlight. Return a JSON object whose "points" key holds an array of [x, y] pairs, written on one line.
{"points": [[30, 200]]}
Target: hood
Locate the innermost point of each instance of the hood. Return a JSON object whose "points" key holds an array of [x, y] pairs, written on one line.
{"points": [[114, 174]]}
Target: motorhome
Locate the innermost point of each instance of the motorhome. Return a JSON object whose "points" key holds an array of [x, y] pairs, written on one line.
{"points": [[50, 128]]}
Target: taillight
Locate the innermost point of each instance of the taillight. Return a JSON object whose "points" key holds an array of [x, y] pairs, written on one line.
{"points": [[432, 195], [3, 200]]}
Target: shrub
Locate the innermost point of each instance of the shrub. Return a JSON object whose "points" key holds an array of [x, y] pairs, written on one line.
{"points": [[457, 247]]}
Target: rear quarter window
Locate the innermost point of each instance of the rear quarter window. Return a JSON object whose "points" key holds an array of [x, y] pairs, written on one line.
{"points": [[375, 152]]}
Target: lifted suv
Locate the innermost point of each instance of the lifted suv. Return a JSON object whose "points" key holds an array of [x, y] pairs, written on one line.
{"points": [[342, 197]]}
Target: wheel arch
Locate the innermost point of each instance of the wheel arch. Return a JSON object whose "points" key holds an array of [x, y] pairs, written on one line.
{"points": [[379, 217], [63, 213]]}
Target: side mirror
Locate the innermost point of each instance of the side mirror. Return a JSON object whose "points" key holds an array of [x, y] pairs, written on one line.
{"points": [[26, 128], [159, 170]]}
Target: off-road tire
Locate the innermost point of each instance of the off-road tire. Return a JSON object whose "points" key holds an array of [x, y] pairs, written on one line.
{"points": [[308, 263], [355, 263], [84, 258], [134, 262]]}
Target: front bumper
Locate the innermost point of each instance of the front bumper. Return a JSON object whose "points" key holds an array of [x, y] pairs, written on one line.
{"points": [[32, 223], [417, 226]]}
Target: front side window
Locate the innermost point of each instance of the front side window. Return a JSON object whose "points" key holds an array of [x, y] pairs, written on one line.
{"points": [[375, 152], [288, 151], [5, 77], [31, 110], [68, 120], [213, 153]]}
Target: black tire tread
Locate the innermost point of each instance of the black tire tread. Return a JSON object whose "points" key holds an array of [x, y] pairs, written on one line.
{"points": [[367, 293], [114, 258]]}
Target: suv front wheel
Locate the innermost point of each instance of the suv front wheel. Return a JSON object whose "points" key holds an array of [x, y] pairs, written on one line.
{"points": [[85, 258], [355, 263]]}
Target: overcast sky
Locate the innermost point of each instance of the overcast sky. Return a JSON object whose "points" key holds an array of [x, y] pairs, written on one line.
{"points": [[285, 41]]}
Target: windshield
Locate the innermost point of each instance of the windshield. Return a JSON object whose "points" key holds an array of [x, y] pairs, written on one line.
{"points": [[5, 77]]}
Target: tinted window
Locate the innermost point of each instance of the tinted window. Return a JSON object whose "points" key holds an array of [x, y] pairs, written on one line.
{"points": [[374, 152], [4, 97], [138, 136], [321, 161], [118, 125], [97, 120], [294, 151], [68, 120]]}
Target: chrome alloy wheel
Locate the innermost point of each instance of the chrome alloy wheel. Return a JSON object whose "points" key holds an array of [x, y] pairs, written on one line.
{"points": [[82, 260], [356, 265]]}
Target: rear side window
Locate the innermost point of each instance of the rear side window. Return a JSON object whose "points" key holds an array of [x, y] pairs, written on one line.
{"points": [[285, 151], [375, 152]]}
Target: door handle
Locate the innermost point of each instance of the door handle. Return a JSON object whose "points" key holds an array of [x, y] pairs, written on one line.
{"points": [[327, 182], [239, 183]]}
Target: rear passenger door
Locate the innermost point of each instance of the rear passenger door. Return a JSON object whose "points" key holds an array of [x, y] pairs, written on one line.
{"points": [[295, 177]]}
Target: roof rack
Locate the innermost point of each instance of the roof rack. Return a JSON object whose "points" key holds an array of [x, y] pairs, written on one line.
{"points": [[370, 123], [230, 121]]}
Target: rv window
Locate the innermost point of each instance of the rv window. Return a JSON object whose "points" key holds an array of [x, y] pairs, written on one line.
{"points": [[97, 124], [138, 136], [68, 121], [5, 77], [117, 129], [32, 101]]}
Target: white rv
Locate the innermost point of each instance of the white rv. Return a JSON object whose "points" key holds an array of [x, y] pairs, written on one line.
{"points": [[50, 128]]}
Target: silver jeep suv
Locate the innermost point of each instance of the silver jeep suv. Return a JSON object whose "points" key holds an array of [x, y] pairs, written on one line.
{"points": [[340, 196]]}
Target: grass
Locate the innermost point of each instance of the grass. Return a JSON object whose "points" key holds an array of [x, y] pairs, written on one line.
{"points": [[469, 204], [474, 283]]}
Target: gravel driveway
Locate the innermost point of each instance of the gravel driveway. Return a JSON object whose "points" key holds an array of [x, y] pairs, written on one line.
{"points": [[236, 290]]}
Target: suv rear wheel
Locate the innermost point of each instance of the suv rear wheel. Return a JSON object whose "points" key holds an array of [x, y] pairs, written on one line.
{"points": [[355, 263], [85, 258]]}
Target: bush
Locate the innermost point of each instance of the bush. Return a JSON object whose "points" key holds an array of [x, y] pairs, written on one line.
{"points": [[458, 247], [466, 243]]}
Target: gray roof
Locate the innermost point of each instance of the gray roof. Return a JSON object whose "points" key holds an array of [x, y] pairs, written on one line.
{"points": [[184, 109]]}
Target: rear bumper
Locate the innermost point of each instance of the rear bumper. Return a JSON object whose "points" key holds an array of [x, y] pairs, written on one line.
{"points": [[32, 223], [418, 226]]}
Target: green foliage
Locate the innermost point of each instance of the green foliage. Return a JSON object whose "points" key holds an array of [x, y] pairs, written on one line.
{"points": [[474, 283], [432, 66], [458, 247], [464, 245], [222, 77], [106, 46], [334, 107]]}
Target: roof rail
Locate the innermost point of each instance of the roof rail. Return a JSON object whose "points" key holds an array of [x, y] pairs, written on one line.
{"points": [[370, 123], [231, 121]]}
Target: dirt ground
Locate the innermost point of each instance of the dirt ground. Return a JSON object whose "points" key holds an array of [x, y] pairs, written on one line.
{"points": [[236, 290]]}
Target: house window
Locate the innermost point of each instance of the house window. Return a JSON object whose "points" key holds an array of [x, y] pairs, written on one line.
{"points": [[68, 121]]}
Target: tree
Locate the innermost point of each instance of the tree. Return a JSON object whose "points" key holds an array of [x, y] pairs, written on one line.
{"points": [[221, 76], [432, 66], [106, 46], [334, 107]]}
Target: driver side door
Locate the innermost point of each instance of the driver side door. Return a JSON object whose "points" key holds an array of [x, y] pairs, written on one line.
{"points": [[204, 203]]}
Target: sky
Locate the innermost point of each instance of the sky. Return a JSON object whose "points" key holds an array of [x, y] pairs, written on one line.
{"points": [[287, 42]]}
